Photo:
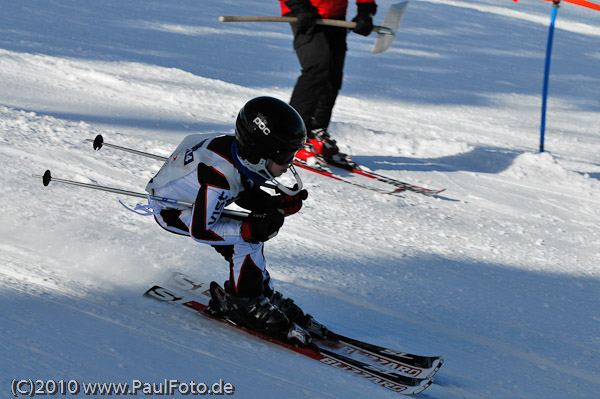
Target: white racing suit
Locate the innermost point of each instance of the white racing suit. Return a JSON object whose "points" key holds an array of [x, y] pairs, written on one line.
{"points": [[206, 172]]}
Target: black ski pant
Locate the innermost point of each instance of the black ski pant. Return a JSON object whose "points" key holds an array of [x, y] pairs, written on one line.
{"points": [[321, 55]]}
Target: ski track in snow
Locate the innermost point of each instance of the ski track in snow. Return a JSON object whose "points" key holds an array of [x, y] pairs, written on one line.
{"points": [[499, 275]]}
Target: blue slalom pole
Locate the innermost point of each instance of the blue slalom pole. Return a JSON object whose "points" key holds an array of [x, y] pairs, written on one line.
{"points": [[555, 5]]}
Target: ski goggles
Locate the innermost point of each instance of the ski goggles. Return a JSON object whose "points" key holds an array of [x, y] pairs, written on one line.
{"points": [[282, 157]]}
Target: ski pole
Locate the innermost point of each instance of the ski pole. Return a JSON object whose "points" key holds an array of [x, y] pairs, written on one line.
{"points": [[98, 143], [47, 178]]}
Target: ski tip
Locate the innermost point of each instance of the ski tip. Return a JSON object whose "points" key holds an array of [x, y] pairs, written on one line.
{"points": [[423, 387], [436, 367], [431, 193]]}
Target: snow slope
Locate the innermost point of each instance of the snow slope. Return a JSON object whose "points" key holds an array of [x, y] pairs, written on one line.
{"points": [[500, 275]]}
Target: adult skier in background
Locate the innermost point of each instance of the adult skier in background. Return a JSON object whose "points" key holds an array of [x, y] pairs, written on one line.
{"points": [[213, 173], [321, 51]]}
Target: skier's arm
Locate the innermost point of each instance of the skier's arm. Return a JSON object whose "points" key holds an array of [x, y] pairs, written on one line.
{"points": [[255, 199], [258, 200], [208, 226]]}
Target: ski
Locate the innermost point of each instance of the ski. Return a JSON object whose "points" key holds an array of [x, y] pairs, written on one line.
{"points": [[328, 173], [397, 183], [381, 376], [352, 167], [408, 364], [405, 363]]}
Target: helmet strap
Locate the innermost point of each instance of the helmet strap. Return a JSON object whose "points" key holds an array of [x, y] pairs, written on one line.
{"points": [[261, 169], [287, 190]]}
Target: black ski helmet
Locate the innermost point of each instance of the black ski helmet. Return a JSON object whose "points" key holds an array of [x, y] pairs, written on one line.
{"points": [[270, 129]]}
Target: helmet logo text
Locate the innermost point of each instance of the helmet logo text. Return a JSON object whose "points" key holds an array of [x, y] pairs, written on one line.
{"points": [[262, 126]]}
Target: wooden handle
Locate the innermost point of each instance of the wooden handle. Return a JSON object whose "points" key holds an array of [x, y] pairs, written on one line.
{"points": [[329, 22]]}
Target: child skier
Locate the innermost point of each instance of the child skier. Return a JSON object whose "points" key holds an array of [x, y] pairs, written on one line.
{"points": [[213, 173]]}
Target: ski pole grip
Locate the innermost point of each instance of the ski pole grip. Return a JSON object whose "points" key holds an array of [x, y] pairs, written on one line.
{"points": [[98, 142]]}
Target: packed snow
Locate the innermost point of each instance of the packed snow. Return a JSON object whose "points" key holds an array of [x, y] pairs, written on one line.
{"points": [[500, 274]]}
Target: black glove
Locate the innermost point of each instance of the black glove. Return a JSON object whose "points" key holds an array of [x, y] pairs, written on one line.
{"points": [[307, 15], [364, 18], [289, 204], [261, 226]]}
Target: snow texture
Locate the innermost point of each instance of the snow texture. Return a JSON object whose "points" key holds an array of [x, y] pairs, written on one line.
{"points": [[500, 275]]}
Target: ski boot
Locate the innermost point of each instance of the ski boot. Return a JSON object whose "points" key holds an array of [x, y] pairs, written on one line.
{"points": [[307, 156], [258, 314], [316, 330], [287, 306], [297, 336], [295, 314], [323, 144], [326, 147]]}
